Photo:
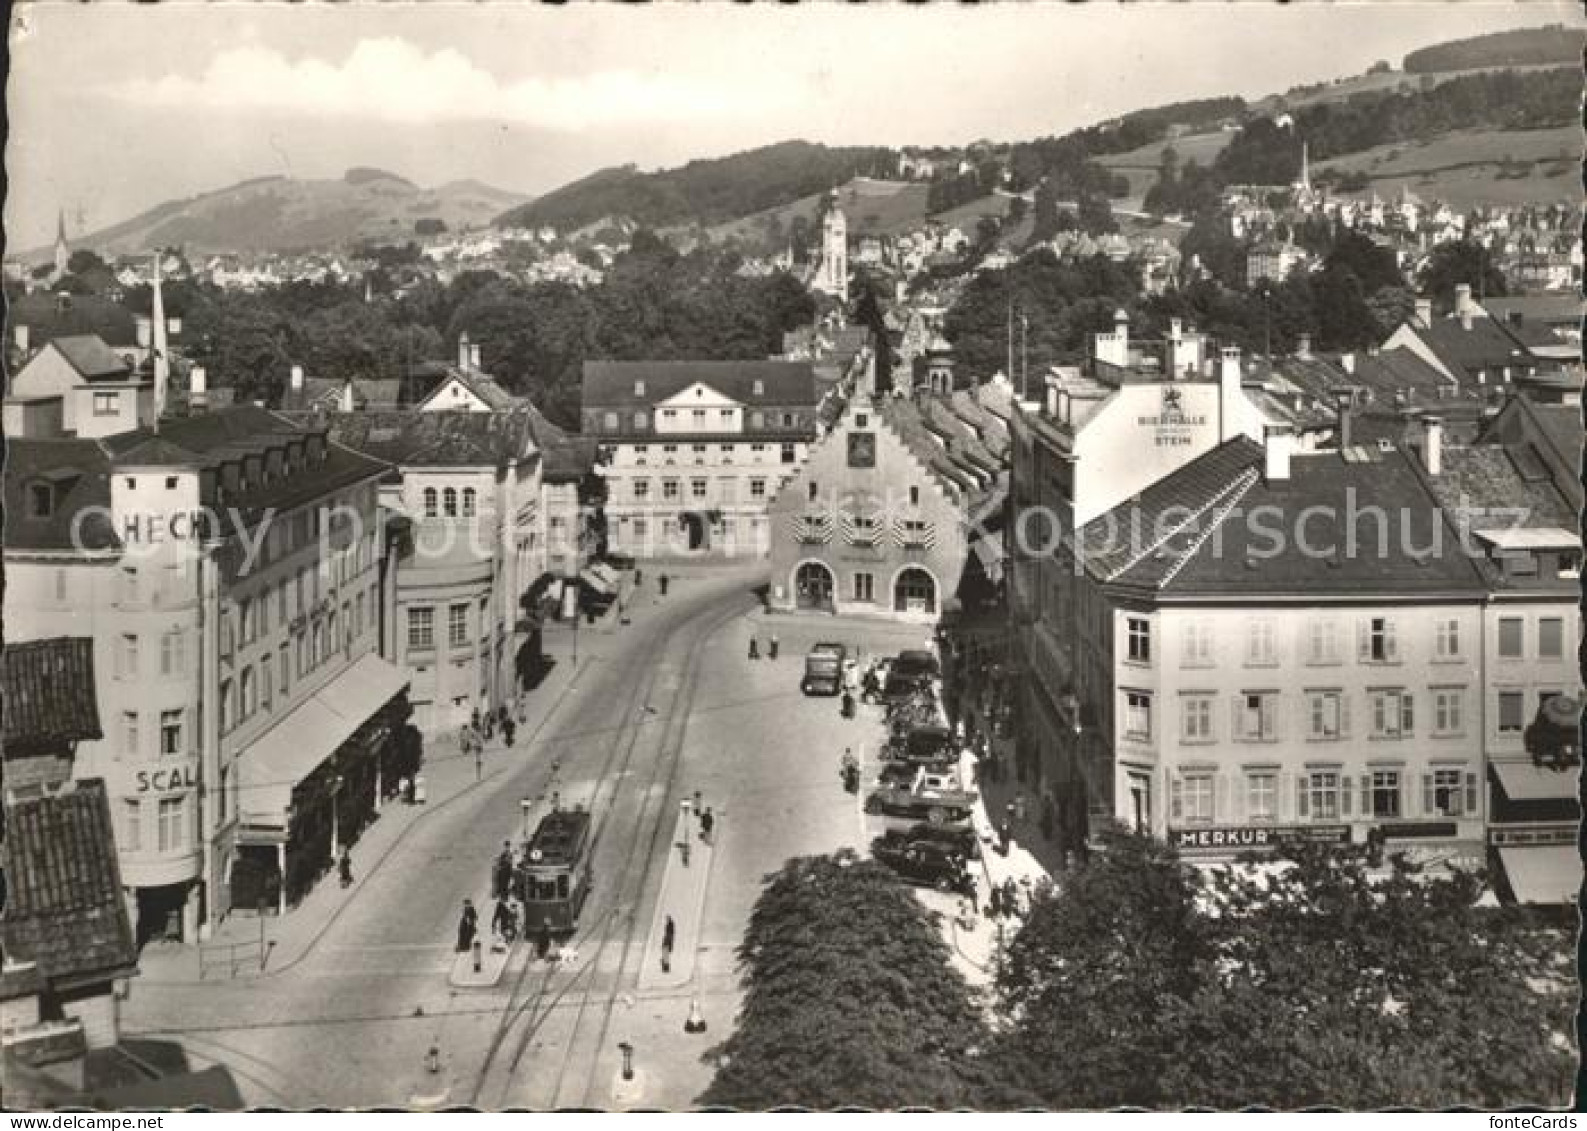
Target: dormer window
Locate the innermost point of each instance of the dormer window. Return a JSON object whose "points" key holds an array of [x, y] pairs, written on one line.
{"points": [[758, 388], [41, 500], [639, 388]]}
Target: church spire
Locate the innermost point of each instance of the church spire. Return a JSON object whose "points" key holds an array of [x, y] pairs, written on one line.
{"points": [[63, 254]]}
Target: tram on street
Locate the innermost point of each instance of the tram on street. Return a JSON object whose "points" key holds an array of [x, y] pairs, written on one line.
{"points": [[555, 873]]}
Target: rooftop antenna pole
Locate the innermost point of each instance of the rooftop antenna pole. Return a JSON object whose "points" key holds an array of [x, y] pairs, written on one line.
{"points": [[1010, 307], [1024, 367]]}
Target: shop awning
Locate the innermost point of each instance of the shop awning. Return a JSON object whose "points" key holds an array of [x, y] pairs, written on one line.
{"points": [[1543, 873], [1527, 781], [316, 729]]}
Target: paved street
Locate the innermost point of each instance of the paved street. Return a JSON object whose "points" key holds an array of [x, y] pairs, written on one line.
{"points": [[660, 708]]}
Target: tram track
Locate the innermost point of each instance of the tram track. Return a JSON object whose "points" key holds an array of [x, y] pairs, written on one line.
{"points": [[531, 1001]]}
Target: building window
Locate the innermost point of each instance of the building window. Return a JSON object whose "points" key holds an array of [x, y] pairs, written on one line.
{"points": [[431, 503], [250, 701], [172, 653], [1512, 710], [284, 663], [1325, 715], [1195, 718], [1139, 630], [107, 404], [449, 502], [173, 824], [914, 496], [130, 738], [611, 422], [245, 620], [699, 451], [171, 733], [1260, 647], [1196, 645], [1138, 715], [1261, 795], [129, 584], [864, 587], [1257, 716], [421, 628], [132, 826], [129, 656], [1450, 793], [757, 488], [1511, 638], [1378, 645], [1448, 710], [1322, 794], [1550, 638], [1191, 801], [697, 489], [641, 489], [457, 625], [640, 420], [1446, 640], [1383, 795], [727, 453], [468, 502], [757, 420], [1322, 642], [670, 490], [41, 500], [788, 455], [641, 527], [1393, 714]]}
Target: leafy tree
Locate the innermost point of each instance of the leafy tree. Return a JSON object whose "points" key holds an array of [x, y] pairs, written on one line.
{"points": [[1460, 262], [1096, 214], [83, 260], [1373, 265], [1045, 215], [1390, 307], [429, 226], [849, 998]]}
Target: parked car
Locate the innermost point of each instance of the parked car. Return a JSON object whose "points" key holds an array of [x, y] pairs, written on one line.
{"points": [[824, 670], [923, 861], [917, 791], [961, 837], [928, 745], [908, 673]]}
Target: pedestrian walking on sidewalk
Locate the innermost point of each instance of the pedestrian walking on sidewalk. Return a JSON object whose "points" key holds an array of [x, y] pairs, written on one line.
{"points": [[669, 933], [508, 730], [663, 582], [754, 648], [771, 647], [344, 869], [467, 927], [503, 921], [501, 876], [707, 823], [1005, 836]]}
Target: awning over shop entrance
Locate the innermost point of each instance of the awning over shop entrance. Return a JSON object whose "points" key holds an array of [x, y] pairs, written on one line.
{"points": [[605, 586], [315, 730], [1543, 873], [1527, 781]]}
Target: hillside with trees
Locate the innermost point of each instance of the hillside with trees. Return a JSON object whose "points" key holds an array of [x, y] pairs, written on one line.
{"points": [[1521, 47], [703, 192]]}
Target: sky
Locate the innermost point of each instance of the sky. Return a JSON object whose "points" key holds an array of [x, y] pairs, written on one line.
{"points": [[116, 107]]}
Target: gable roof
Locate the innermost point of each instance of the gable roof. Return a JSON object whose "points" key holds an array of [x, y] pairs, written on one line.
{"points": [[610, 384], [1392, 370], [48, 317], [49, 691], [326, 392], [1195, 533], [1486, 345], [1555, 430], [91, 357], [414, 438], [1561, 309], [65, 909], [78, 471], [482, 385]]}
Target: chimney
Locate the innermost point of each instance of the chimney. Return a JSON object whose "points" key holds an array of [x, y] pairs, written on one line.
{"points": [[1516, 321], [1433, 444], [297, 378], [464, 353], [1344, 401], [1229, 393], [174, 327], [1347, 362], [1463, 305], [1424, 311], [1303, 347], [197, 383], [1277, 446], [144, 330], [473, 356], [20, 334], [158, 351]]}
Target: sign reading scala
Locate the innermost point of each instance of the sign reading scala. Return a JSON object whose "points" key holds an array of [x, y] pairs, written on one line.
{"points": [[1241, 837], [172, 780], [1171, 427]]}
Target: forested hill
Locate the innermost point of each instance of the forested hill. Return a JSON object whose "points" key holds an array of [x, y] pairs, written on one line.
{"points": [[1522, 47], [703, 192]]}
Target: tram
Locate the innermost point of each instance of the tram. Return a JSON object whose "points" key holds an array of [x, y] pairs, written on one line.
{"points": [[555, 873]]}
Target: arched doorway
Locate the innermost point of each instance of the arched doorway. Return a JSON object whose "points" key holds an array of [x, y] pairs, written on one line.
{"points": [[694, 525], [914, 591], [813, 586]]}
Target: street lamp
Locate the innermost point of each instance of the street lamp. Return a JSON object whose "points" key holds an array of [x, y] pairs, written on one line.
{"points": [[336, 789], [526, 804], [627, 1049]]}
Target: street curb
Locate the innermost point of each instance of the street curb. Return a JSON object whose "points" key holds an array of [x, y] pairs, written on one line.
{"points": [[682, 972], [365, 872]]}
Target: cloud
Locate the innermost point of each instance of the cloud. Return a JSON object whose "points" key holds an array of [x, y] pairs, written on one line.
{"points": [[390, 79]]}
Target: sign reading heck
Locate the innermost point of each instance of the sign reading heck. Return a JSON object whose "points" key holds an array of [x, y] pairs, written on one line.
{"points": [[142, 529]]}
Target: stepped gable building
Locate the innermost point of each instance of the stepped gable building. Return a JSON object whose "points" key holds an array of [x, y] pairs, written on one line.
{"points": [[884, 515], [693, 451], [229, 569]]}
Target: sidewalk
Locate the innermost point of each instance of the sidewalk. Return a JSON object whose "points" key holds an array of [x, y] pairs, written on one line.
{"points": [[448, 775], [683, 892]]}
